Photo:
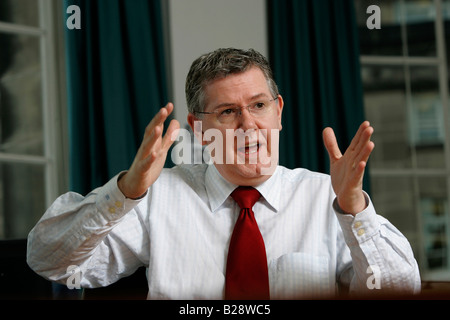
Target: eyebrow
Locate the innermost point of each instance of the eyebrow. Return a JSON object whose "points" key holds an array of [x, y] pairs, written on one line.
{"points": [[229, 104]]}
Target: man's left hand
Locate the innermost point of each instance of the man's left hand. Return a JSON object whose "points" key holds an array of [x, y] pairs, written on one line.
{"points": [[347, 171]]}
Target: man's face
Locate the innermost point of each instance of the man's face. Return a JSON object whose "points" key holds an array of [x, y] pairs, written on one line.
{"points": [[249, 154]]}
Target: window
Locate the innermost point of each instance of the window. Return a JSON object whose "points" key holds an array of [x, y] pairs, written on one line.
{"points": [[406, 84], [31, 113]]}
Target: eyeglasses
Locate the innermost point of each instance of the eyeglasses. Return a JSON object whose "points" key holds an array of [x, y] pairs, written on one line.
{"points": [[229, 114]]}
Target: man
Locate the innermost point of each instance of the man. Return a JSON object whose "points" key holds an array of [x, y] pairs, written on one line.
{"points": [[319, 232]]}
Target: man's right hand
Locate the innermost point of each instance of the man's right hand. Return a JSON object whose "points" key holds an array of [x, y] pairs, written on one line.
{"points": [[151, 156]]}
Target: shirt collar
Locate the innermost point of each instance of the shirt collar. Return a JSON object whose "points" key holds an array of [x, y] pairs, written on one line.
{"points": [[270, 190], [219, 189]]}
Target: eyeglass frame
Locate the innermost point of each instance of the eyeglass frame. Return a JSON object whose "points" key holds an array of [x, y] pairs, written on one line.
{"points": [[234, 108]]}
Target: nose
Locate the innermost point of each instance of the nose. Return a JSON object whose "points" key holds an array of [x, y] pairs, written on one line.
{"points": [[246, 120]]}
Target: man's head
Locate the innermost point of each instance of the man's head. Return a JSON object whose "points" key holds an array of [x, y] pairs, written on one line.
{"points": [[220, 64], [232, 91]]}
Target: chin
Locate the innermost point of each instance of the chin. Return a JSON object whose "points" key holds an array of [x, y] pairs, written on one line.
{"points": [[246, 174]]}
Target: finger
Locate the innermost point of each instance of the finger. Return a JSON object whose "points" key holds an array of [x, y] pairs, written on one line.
{"points": [[154, 129], [171, 134], [331, 144], [359, 133], [364, 137], [169, 107], [360, 164], [147, 162], [364, 154], [159, 118], [357, 174], [150, 141], [362, 150]]}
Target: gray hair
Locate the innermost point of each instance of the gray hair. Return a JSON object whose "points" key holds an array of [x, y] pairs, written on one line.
{"points": [[219, 64]]}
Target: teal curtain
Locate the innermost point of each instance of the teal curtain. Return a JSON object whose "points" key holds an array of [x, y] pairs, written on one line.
{"points": [[314, 52], [116, 73]]}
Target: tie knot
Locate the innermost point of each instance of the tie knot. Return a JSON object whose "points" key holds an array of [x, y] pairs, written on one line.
{"points": [[245, 197]]}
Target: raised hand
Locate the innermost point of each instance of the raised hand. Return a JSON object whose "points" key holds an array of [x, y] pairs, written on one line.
{"points": [[151, 156], [347, 171]]}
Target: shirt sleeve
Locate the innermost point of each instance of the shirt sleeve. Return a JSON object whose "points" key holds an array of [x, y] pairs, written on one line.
{"points": [[79, 233], [382, 258]]}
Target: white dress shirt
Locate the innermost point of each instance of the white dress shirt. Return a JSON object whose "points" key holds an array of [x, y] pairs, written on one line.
{"points": [[181, 230]]}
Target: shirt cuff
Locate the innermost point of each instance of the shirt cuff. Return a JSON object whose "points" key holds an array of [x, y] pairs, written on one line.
{"points": [[112, 202], [361, 227]]}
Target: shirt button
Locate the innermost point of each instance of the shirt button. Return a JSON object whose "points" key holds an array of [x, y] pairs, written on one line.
{"points": [[357, 224], [361, 232], [112, 210], [118, 204]]}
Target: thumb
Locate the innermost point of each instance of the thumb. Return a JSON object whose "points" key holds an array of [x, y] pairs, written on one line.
{"points": [[330, 142]]}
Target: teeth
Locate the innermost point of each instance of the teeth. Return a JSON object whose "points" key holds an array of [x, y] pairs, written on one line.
{"points": [[251, 148]]}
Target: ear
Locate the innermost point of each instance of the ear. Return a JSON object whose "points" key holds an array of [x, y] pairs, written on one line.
{"points": [[279, 107], [196, 126], [191, 118]]}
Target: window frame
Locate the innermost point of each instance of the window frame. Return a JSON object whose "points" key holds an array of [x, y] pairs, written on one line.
{"points": [[53, 88], [415, 173]]}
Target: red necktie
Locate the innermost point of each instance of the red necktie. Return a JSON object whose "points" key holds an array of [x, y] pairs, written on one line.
{"points": [[246, 275]]}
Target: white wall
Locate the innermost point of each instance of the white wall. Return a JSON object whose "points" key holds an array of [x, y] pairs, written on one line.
{"points": [[200, 26]]}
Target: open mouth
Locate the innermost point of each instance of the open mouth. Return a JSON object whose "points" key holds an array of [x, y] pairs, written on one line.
{"points": [[250, 148]]}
